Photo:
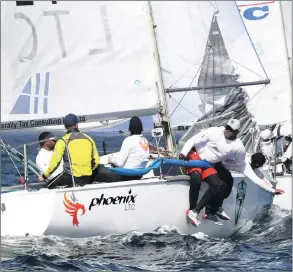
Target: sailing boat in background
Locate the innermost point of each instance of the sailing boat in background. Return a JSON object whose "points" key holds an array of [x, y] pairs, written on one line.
{"points": [[100, 79]]}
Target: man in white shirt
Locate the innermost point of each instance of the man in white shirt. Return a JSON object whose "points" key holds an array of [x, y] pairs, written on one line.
{"points": [[47, 144], [287, 156], [268, 149], [134, 151], [220, 146]]}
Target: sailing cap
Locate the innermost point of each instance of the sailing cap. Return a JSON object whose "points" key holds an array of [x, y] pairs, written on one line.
{"points": [[234, 124], [70, 120], [266, 134]]}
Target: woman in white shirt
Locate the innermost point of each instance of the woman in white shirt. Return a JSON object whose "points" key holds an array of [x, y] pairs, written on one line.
{"points": [[134, 151]]}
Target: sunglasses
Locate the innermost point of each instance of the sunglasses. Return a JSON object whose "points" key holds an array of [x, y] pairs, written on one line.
{"points": [[230, 129]]}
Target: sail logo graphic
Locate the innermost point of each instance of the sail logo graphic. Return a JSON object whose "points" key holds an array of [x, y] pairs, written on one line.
{"points": [[33, 98], [144, 144], [256, 10], [240, 197]]}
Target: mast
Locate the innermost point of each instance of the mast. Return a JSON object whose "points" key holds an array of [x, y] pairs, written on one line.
{"points": [[160, 87]]}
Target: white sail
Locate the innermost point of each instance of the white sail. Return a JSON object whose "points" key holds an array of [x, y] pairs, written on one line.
{"points": [[263, 20], [182, 34], [94, 59]]}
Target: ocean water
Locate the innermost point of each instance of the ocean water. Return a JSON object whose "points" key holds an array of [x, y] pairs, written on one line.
{"points": [[263, 245]]}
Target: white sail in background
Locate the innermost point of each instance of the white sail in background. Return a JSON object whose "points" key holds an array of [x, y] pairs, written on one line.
{"points": [[263, 20], [93, 58], [182, 35]]}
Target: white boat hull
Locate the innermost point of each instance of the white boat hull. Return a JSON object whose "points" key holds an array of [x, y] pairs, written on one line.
{"points": [[114, 208], [284, 201]]}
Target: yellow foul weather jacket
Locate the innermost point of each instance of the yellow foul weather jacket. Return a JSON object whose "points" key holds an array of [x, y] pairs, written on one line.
{"points": [[83, 154]]}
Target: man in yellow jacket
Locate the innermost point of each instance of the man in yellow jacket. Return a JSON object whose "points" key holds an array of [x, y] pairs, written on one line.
{"points": [[79, 153]]}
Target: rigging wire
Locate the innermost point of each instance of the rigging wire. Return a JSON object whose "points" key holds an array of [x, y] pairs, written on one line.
{"points": [[249, 100], [198, 70], [215, 8], [243, 66], [6, 149], [205, 27], [184, 107], [192, 25], [256, 93]]}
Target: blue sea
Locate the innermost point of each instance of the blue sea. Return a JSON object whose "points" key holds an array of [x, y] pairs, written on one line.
{"points": [[263, 245]]}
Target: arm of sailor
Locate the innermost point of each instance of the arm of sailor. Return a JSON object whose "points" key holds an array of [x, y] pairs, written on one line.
{"points": [[259, 173], [240, 165], [246, 170], [41, 164], [197, 140], [262, 183], [56, 158], [123, 154]]}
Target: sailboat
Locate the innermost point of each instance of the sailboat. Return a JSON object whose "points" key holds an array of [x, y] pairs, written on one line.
{"points": [[268, 22], [102, 57]]}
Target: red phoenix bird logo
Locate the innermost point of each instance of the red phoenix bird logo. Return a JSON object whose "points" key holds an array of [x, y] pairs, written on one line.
{"points": [[72, 208]]}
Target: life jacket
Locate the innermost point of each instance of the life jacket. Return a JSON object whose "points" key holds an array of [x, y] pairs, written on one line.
{"points": [[205, 172], [78, 151]]}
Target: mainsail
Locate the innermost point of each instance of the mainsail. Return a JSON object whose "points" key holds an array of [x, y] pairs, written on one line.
{"points": [[94, 59]]}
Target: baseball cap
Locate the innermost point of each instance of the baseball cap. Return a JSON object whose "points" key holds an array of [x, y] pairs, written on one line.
{"points": [[266, 134], [70, 120], [258, 159], [234, 124]]}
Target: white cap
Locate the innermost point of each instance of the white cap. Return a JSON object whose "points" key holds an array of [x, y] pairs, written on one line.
{"points": [[234, 124], [266, 134]]}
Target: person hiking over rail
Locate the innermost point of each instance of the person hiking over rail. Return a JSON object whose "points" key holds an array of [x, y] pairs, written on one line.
{"points": [[214, 193], [220, 146]]}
